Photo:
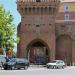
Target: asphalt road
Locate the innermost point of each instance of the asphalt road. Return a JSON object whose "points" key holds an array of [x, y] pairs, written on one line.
{"points": [[40, 71]]}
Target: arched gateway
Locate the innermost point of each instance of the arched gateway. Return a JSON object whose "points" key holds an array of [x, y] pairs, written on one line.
{"points": [[38, 52], [37, 30], [64, 49]]}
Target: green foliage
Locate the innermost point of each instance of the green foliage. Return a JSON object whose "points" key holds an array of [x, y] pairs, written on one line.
{"points": [[18, 39], [7, 29]]}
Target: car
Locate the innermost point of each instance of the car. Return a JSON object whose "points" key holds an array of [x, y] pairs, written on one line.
{"points": [[16, 63], [56, 64], [2, 61]]}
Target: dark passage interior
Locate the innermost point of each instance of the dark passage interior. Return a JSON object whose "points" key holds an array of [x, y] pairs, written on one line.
{"points": [[38, 53]]}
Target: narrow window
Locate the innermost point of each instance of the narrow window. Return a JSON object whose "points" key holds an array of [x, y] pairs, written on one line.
{"points": [[66, 8], [66, 17]]}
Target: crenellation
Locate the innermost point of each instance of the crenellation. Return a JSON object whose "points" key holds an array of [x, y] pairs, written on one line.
{"points": [[42, 34]]}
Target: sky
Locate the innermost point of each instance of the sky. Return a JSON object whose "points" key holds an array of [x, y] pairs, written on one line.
{"points": [[10, 5]]}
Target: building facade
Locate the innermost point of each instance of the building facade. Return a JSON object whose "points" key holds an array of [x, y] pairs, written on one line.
{"points": [[66, 11], [43, 35]]}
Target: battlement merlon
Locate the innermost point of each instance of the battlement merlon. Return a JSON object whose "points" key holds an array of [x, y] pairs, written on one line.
{"points": [[38, 2], [49, 6]]}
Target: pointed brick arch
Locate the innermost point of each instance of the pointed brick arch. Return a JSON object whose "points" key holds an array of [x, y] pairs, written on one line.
{"points": [[32, 50], [37, 40], [64, 48]]}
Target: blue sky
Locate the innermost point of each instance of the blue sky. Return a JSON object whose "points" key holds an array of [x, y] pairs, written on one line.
{"points": [[10, 5]]}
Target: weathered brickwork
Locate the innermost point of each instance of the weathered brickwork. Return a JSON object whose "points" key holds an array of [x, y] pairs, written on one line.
{"points": [[39, 25]]}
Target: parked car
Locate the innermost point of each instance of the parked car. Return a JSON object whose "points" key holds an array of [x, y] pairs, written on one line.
{"points": [[16, 63], [2, 60], [56, 64]]}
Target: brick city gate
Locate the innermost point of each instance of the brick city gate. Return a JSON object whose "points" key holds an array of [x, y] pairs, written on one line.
{"points": [[38, 53]]}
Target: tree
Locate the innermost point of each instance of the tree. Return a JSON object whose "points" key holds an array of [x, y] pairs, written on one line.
{"points": [[7, 30]]}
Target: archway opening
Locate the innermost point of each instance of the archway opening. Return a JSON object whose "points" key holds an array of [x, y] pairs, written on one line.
{"points": [[64, 49], [38, 53]]}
